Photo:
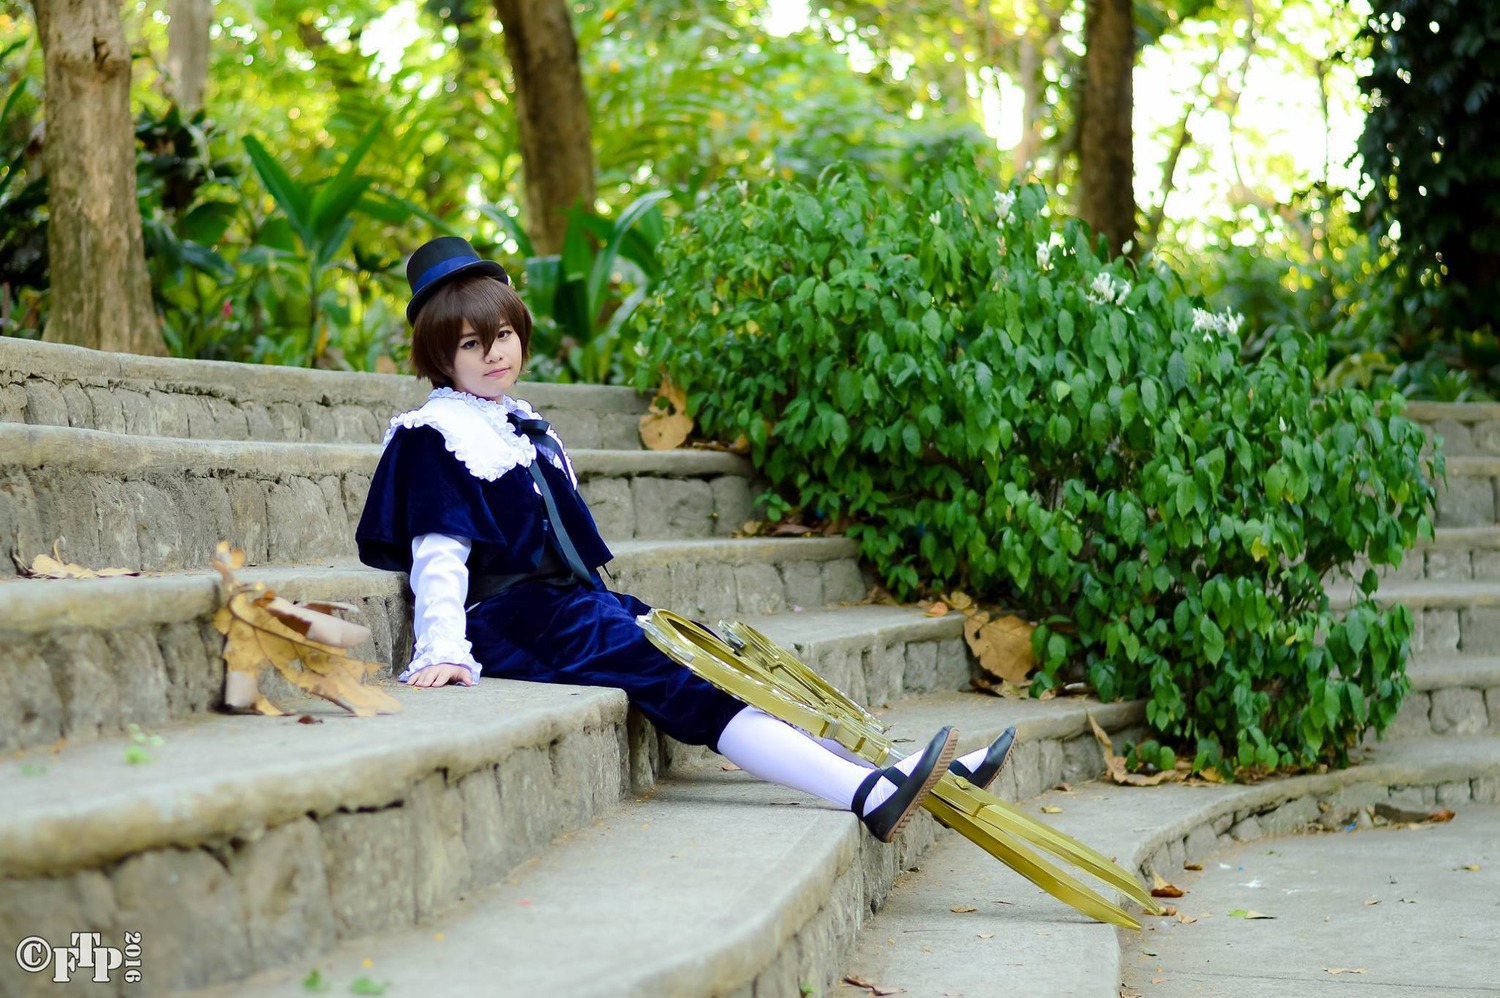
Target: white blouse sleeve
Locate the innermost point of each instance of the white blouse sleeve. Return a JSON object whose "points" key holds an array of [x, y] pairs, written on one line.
{"points": [[440, 581]]}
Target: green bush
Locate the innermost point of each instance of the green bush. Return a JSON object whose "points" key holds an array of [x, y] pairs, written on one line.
{"points": [[996, 408]]}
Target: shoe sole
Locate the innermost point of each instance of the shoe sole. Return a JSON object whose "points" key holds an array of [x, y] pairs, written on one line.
{"points": [[950, 750]]}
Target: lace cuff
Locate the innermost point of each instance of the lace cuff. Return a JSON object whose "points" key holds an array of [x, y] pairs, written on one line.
{"points": [[440, 583], [442, 651]]}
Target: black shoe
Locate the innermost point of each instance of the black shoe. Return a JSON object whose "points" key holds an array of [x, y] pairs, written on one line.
{"points": [[889, 817], [988, 771]]}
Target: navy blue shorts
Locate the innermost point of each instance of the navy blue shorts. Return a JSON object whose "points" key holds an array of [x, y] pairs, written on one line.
{"points": [[589, 637]]}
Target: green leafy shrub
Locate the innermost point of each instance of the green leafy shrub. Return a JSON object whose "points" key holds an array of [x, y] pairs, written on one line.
{"points": [[996, 408]]}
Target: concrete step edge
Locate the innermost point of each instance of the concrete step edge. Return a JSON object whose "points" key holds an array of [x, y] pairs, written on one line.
{"points": [[102, 452], [1424, 593], [1473, 466], [58, 362], [36, 606], [1454, 671]]}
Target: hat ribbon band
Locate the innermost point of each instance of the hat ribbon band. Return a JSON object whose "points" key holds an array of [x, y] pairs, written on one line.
{"points": [[442, 269]]}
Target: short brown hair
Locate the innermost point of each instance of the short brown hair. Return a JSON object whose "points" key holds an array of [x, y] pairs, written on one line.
{"points": [[486, 303]]}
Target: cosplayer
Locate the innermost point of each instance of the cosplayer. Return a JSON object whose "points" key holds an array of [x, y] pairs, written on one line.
{"points": [[475, 497]]}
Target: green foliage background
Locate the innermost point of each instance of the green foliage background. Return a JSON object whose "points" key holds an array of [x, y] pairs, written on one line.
{"points": [[999, 409], [1430, 144]]}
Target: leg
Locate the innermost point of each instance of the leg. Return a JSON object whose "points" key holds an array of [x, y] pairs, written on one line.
{"points": [[884, 799]]}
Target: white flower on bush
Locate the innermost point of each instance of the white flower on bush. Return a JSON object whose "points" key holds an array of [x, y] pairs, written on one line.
{"points": [[1044, 256], [1108, 289], [1208, 323], [1004, 202]]}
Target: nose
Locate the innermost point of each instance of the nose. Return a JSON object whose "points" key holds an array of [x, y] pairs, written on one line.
{"points": [[492, 356]]}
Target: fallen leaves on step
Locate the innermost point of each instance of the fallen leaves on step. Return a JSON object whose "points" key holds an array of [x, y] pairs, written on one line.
{"points": [[1002, 644], [1115, 764], [962, 909], [1161, 889], [53, 567], [1343, 970], [873, 988], [305, 645], [667, 424], [1403, 817], [1051, 809], [1248, 913]]}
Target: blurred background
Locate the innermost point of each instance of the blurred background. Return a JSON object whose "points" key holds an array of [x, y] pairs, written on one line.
{"points": [[1318, 164]]}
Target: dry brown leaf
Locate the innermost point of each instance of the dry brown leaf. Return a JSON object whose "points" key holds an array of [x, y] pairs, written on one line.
{"points": [[1186, 919], [1248, 913], [1002, 646], [319, 625], [937, 609], [986, 935], [1161, 889], [1472, 867], [960, 601], [1050, 809], [1115, 764], [873, 988], [1192, 866], [1371, 901], [666, 425], [255, 637], [1343, 970], [962, 909], [1438, 817], [791, 530], [53, 567]]}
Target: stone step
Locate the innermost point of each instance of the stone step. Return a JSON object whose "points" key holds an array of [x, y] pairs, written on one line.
{"points": [[1040, 947], [53, 384], [1449, 617], [89, 657], [1451, 554], [1450, 695], [715, 884], [1467, 498], [158, 503], [1467, 428]]}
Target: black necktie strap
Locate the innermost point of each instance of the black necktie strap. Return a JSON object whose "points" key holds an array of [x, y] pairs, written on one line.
{"points": [[536, 431]]}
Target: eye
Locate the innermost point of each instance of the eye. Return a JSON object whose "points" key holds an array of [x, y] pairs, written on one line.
{"points": [[503, 332], [468, 343]]}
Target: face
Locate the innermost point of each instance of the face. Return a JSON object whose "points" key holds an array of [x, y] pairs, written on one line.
{"points": [[487, 375]]}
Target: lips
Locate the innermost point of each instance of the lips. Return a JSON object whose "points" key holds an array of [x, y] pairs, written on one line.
{"points": [[497, 374]]}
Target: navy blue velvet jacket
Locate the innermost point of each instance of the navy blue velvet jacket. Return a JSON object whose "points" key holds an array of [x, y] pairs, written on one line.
{"points": [[420, 488]]}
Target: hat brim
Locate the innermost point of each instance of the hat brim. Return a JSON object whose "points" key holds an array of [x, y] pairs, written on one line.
{"points": [[487, 268]]}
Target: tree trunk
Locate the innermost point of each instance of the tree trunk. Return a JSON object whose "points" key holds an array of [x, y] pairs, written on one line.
{"points": [[552, 115], [101, 295], [187, 52], [1106, 195]]}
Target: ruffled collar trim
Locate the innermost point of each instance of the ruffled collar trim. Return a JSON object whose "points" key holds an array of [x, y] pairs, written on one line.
{"points": [[478, 432]]}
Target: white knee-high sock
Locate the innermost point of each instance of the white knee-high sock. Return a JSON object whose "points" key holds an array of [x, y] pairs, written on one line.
{"points": [[776, 752]]}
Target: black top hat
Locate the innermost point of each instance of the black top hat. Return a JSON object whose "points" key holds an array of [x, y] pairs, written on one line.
{"points": [[438, 261]]}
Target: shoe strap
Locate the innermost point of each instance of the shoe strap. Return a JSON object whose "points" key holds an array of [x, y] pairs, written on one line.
{"points": [[857, 805]]}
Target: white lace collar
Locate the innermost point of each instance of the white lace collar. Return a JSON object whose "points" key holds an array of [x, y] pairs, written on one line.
{"points": [[478, 432]]}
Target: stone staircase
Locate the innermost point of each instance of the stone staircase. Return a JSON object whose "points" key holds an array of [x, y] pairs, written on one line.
{"points": [[251, 851], [513, 838]]}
